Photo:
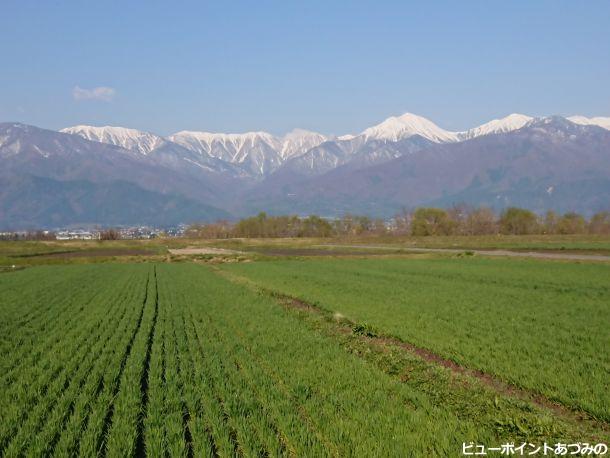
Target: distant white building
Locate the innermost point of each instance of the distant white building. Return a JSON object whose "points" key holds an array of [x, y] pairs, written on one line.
{"points": [[76, 235]]}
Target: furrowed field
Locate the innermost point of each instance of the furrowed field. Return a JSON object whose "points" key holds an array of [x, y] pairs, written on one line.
{"points": [[326, 357]]}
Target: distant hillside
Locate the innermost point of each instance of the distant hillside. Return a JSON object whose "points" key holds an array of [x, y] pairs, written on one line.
{"points": [[35, 202], [550, 163]]}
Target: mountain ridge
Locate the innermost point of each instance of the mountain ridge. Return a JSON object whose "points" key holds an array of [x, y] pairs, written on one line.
{"points": [[506, 162], [259, 153], [546, 153]]}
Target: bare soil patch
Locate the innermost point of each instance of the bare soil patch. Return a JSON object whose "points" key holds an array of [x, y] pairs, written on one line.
{"points": [[510, 253], [320, 252], [204, 250]]}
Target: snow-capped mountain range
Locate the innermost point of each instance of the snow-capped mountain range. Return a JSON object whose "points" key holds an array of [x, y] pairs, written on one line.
{"points": [[259, 154], [549, 163], [115, 175]]}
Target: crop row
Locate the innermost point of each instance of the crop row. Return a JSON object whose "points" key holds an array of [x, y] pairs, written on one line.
{"points": [[48, 398], [235, 374], [50, 331]]}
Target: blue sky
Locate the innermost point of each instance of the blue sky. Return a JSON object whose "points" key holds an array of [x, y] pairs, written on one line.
{"points": [[331, 66]]}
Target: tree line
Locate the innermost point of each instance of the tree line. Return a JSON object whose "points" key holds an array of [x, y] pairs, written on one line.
{"points": [[425, 221], [28, 235]]}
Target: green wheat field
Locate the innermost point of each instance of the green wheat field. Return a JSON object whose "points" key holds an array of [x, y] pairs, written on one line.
{"points": [[391, 355]]}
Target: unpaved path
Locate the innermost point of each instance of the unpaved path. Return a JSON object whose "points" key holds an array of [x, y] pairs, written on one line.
{"points": [[515, 254], [203, 250]]}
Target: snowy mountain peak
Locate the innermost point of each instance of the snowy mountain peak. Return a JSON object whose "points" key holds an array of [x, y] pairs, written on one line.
{"points": [[132, 139], [497, 126], [557, 125], [346, 137], [407, 125], [561, 129], [596, 121]]}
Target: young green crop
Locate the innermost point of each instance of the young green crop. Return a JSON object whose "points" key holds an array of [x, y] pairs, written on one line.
{"points": [[127, 406], [536, 324], [312, 397], [46, 399], [176, 360]]}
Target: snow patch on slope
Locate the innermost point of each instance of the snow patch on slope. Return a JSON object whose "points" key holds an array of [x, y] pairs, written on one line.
{"points": [[229, 147], [497, 126], [256, 152], [132, 139], [597, 121], [299, 141], [259, 152]]}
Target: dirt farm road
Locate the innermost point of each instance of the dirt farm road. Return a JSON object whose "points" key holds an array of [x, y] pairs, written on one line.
{"points": [[516, 254]]}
